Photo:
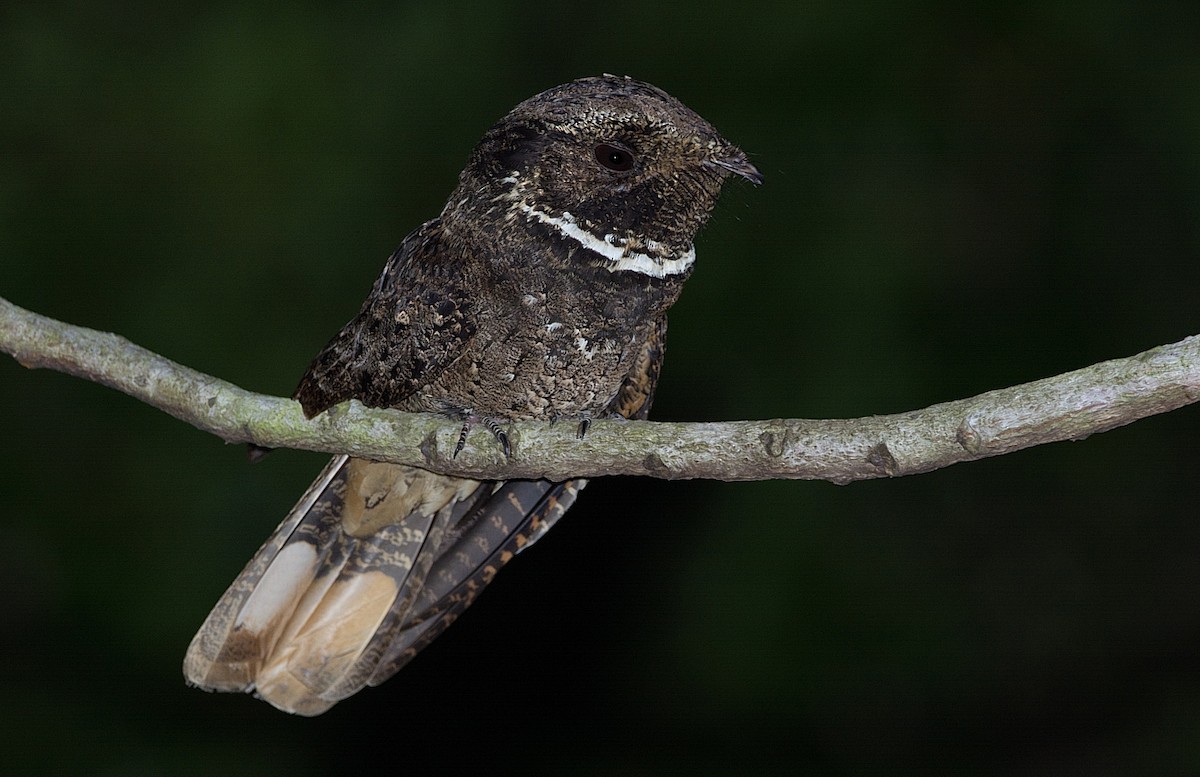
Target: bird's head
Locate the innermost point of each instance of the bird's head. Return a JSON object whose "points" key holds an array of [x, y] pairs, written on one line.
{"points": [[618, 170]]}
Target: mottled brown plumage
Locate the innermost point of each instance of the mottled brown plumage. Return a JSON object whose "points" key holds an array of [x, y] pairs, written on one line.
{"points": [[541, 291]]}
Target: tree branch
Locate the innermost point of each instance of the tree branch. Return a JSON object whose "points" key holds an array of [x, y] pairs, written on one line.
{"points": [[1066, 407]]}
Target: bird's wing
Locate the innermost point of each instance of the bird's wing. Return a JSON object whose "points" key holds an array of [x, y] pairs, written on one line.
{"points": [[636, 393], [417, 320]]}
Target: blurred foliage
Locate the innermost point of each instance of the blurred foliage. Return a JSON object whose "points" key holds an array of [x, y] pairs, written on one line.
{"points": [[958, 198]]}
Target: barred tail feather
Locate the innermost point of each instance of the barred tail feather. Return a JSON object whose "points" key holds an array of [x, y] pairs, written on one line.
{"points": [[295, 627], [226, 652], [473, 557], [372, 563]]}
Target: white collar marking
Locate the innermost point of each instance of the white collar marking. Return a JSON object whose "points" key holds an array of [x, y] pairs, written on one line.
{"points": [[619, 257]]}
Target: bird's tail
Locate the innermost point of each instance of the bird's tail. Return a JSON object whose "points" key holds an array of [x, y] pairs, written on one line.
{"points": [[372, 563]]}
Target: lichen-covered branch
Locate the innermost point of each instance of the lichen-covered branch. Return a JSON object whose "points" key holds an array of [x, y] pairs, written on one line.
{"points": [[1070, 406]]}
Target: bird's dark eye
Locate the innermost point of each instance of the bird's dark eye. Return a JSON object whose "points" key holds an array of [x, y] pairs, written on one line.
{"points": [[614, 158]]}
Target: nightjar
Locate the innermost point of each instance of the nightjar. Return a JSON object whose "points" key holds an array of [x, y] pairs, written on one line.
{"points": [[540, 292]]}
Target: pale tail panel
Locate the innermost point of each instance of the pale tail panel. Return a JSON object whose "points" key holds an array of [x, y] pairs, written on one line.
{"points": [[372, 563]]}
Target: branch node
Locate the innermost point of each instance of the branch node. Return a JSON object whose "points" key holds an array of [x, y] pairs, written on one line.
{"points": [[880, 457], [654, 463], [429, 448], [773, 443], [969, 437]]}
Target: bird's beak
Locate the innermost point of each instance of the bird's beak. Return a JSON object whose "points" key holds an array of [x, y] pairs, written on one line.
{"points": [[734, 161]]}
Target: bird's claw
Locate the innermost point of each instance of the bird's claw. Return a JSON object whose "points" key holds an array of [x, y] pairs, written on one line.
{"points": [[492, 426]]}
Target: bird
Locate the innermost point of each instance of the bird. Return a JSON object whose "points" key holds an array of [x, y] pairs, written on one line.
{"points": [[539, 292]]}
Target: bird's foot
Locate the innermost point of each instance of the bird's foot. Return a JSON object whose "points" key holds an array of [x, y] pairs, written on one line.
{"points": [[585, 423], [469, 418]]}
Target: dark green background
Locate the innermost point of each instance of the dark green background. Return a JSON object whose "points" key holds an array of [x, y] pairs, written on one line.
{"points": [[957, 199]]}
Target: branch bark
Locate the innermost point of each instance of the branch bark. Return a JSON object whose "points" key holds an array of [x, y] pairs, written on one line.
{"points": [[1070, 406]]}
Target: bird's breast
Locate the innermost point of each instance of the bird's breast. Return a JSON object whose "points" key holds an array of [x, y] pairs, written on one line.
{"points": [[538, 362]]}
